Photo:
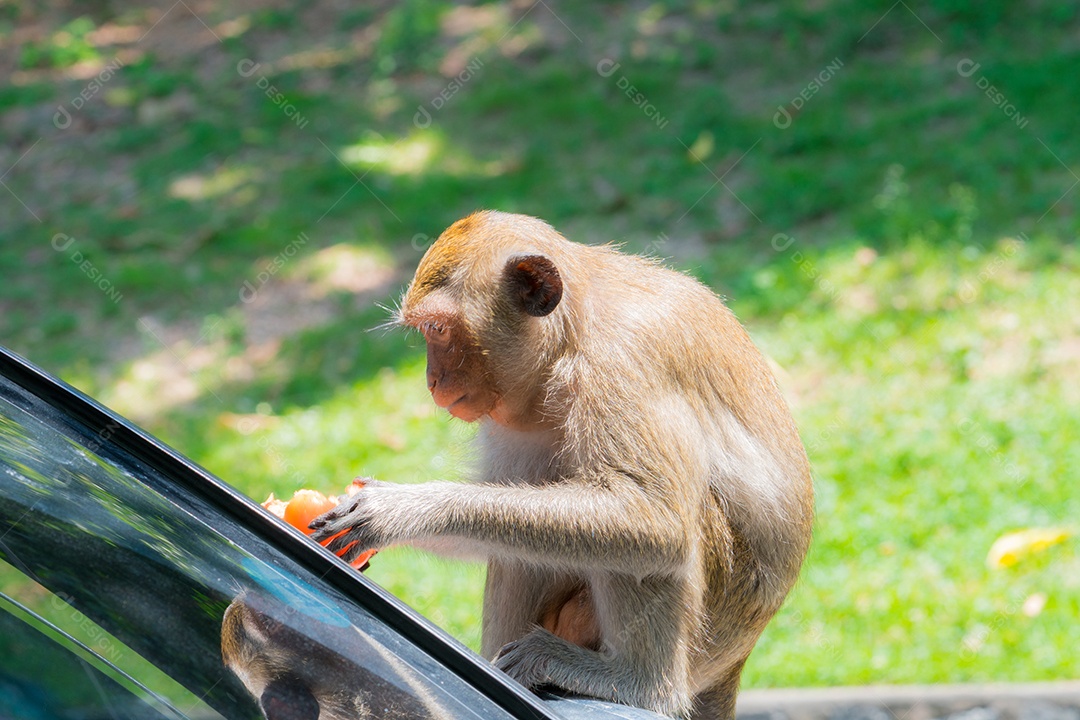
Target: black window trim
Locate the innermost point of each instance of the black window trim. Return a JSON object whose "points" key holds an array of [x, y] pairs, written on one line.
{"points": [[189, 476]]}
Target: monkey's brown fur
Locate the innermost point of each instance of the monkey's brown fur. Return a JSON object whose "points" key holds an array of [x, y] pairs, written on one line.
{"points": [[643, 501], [305, 673]]}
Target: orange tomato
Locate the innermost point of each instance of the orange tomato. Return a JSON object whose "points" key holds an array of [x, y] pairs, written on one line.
{"points": [[305, 506]]}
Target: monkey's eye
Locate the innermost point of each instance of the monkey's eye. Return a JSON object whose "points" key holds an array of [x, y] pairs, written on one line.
{"points": [[435, 332]]}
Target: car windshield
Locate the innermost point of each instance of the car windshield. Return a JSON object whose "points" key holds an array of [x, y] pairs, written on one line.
{"points": [[116, 581]]}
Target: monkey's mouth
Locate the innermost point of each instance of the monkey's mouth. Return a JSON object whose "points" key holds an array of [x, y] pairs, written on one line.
{"points": [[464, 408], [461, 399], [445, 400]]}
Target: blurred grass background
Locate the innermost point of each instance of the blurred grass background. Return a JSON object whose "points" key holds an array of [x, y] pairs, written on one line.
{"points": [[205, 205]]}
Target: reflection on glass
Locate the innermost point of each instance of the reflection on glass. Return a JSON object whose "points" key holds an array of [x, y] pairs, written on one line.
{"points": [[162, 575], [45, 673]]}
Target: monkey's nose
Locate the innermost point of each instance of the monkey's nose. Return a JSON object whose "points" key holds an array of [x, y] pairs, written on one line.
{"points": [[432, 381]]}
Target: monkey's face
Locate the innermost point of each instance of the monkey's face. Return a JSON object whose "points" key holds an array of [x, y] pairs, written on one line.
{"points": [[475, 303], [457, 373], [474, 374]]}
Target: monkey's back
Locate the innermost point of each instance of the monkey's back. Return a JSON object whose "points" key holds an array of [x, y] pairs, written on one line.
{"points": [[726, 422]]}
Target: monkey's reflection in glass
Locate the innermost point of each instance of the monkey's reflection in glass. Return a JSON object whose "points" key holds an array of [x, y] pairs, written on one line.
{"points": [[300, 668]]}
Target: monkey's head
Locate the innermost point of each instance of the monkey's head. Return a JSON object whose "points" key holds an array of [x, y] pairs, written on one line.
{"points": [[490, 301], [324, 672], [257, 649]]}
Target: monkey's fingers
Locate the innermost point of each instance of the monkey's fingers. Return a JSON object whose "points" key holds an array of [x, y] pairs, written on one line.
{"points": [[328, 528], [332, 522], [505, 656], [356, 539], [326, 518], [353, 552], [342, 541], [319, 525], [514, 660], [349, 545]]}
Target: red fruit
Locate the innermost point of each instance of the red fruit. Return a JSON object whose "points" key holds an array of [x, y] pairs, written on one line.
{"points": [[305, 506]]}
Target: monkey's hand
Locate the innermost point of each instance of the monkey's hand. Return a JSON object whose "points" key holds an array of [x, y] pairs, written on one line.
{"points": [[527, 660], [355, 522]]}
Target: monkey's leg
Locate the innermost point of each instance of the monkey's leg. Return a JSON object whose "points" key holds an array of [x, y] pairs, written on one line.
{"points": [[512, 597], [718, 702], [573, 617], [644, 658], [516, 597]]}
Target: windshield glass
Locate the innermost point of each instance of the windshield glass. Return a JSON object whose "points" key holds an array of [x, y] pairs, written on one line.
{"points": [[45, 673], [105, 557]]}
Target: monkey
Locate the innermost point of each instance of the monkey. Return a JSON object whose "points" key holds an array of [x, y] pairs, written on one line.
{"points": [[642, 499], [295, 675], [573, 619]]}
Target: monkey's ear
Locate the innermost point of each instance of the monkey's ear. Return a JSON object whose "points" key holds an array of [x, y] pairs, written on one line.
{"points": [[536, 281]]}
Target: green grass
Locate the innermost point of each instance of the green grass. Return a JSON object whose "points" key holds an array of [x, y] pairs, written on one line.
{"points": [[904, 251]]}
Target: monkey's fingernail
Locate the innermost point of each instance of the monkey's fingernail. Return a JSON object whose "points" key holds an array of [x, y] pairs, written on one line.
{"points": [[325, 519]]}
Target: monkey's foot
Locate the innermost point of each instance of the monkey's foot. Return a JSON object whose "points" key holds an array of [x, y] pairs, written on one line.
{"points": [[529, 659]]}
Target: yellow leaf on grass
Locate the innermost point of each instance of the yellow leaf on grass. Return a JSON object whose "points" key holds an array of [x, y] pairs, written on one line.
{"points": [[702, 148], [1013, 547]]}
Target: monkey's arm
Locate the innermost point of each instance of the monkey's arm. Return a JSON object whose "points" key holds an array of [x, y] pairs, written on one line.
{"points": [[570, 525]]}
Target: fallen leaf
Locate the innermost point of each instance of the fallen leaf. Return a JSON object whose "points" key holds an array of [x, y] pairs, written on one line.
{"points": [[1011, 548], [702, 147]]}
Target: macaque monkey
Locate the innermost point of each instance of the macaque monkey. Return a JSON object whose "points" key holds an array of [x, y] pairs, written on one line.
{"points": [[643, 503], [295, 676]]}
